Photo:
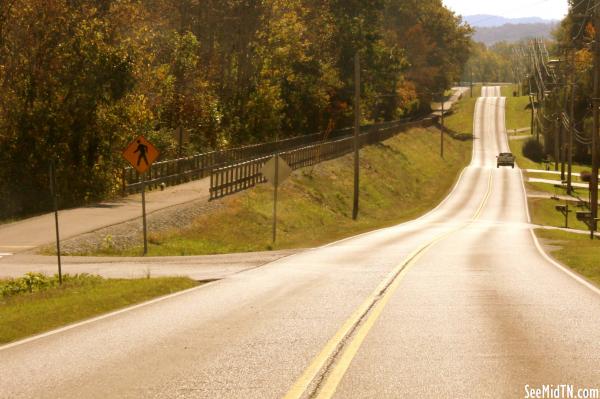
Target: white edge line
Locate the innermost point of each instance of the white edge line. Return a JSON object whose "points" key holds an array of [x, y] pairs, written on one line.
{"points": [[525, 196], [102, 317], [566, 270]]}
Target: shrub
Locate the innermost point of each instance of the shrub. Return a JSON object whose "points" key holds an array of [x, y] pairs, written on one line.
{"points": [[34, 282], [533, 150]]}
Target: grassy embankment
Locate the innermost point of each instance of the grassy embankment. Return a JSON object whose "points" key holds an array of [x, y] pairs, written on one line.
{"points": [[81, 297], [574, 250], [401, 179]]}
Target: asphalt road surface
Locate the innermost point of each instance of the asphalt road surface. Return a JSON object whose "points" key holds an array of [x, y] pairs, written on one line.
{"points": [[457, 304]]}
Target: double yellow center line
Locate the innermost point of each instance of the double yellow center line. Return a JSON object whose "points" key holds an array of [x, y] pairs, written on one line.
{"points": [[344, 345]]}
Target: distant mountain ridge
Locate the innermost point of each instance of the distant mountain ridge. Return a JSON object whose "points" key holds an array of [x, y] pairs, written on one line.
{"points": [[513, 33], [491, 29], [491, 21]]}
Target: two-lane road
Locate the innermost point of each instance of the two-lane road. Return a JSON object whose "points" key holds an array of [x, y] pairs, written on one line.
{"points": [[459, 303]]}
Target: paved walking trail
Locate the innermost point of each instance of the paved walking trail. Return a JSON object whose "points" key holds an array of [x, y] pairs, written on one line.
{"points": [[37, 231]]}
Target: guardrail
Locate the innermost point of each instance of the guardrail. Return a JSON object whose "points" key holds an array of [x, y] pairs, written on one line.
{"points": [[176, 171], [234, 178]]}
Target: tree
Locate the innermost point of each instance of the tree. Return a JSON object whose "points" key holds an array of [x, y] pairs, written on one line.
{"points": [[81, 79]]}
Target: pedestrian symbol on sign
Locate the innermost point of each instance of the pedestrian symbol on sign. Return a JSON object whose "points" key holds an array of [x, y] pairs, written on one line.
{"points": [[142, 149]]}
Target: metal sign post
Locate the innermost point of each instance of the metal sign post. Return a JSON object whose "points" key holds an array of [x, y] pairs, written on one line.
{"points": [[442, 129], [355, 204], [55, 201], [276, 170], [144, 214], [276, 185], [141, 154]]}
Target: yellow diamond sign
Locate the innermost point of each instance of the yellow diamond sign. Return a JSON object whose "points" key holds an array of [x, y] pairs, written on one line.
{"points": [[141, 154], [283, 169]]}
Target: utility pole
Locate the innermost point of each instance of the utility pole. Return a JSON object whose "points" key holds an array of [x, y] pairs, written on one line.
{"points": [[571, 134], [570, 80], [356, 134], [596, 124], [442, 129], [563, 146], [532, 102], [563, 138], [556, 142], [471, 84], [275, 193]]}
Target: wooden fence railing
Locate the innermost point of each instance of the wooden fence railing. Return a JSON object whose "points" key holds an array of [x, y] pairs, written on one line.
{"points": [[176, 171], [237, 177]]}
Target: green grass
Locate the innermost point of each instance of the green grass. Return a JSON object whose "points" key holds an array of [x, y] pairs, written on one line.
{"points": [[517, 114], [582, 193], [461, 119], [575, 250], [401, 179], [544, 213], [507, 90], [24, 315]]}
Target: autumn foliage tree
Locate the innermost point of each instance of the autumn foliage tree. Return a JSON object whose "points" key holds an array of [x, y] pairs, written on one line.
{"points": [[80, 79]]}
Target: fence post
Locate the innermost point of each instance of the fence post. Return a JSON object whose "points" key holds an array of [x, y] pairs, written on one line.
{"points": [[124, 177], [210, 190]]}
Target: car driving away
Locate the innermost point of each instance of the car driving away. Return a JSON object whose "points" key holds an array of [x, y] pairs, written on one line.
{"points": [[505, 159]]}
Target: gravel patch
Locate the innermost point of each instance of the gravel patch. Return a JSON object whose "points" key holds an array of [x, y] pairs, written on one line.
{"points": [[129, 234]]}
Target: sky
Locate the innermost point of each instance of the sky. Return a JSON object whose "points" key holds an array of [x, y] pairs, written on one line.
{"points": [[547, 9]]}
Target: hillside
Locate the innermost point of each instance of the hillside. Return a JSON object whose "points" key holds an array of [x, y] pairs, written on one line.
{"points": [[491, 21], [513, 32], [401, 179]]}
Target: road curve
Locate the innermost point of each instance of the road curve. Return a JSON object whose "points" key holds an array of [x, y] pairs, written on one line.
{"points": [[459, 303]]}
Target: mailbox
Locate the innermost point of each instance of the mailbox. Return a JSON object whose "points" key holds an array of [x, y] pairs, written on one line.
{"points": [[584, 215]]}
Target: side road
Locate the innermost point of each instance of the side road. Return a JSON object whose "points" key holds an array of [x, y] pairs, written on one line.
{"points": [[201, 268], [456, 95]]}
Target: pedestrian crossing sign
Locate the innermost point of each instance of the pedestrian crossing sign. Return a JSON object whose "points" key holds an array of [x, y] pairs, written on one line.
{"points": [[141, 154]]}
